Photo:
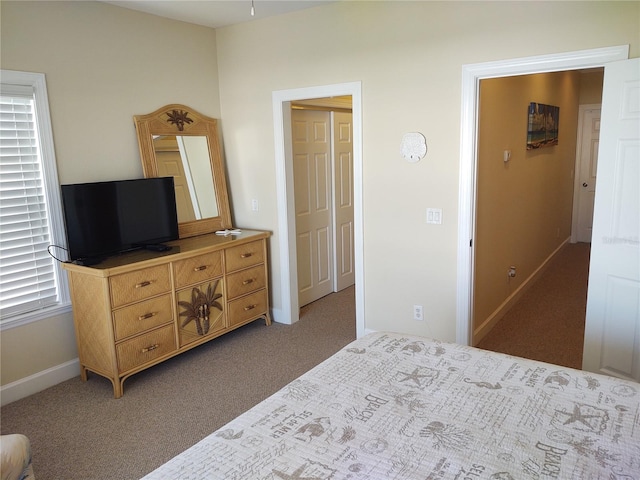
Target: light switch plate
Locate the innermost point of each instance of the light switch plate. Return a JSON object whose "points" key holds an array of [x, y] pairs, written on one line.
{"points": [[434, 216]]}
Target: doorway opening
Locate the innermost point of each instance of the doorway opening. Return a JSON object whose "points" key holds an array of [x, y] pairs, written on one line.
{"points": [[322, 155], [282, 100], [524, 197], [472, 75]]}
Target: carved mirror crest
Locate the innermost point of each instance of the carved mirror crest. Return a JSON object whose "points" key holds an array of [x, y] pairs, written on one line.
{"points": [[177, 141]]}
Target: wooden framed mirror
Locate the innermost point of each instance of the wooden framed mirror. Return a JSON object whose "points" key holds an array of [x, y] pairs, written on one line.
{"points": [[177, 141]]}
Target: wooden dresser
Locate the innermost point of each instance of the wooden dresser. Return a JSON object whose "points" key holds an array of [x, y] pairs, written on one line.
{"points": [[140, 308]]}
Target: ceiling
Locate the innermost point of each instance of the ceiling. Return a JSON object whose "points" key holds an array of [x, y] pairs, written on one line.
{"points": [[216, 13]]}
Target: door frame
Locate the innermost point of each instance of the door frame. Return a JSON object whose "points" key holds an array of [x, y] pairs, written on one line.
{"points": [[577, 169], [471, 76], [290, 308]]}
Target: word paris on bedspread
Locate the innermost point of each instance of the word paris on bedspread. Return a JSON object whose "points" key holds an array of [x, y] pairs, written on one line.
{"points": [[392, 406]]}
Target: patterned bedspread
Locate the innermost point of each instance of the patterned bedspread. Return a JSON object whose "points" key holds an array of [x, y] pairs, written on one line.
{"points": [[392, 406]]}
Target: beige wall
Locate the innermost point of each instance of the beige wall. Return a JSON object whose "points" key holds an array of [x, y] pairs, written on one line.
{"points": [[523, 206], [409, 58], [103, 64], [591, 87]]}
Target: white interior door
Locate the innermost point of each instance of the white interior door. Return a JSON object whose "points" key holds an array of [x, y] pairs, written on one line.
{"points": [[588, 142], [311, 141], [344, 265], [612, 330]]}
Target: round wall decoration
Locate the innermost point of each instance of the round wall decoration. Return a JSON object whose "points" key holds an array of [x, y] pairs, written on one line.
{"points": [[413, 147]]}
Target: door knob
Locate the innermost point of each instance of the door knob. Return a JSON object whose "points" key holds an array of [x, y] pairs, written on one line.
{"points": [[585, 184]]}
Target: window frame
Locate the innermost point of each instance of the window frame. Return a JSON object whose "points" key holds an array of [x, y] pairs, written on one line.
{"points": [[37, 82]]}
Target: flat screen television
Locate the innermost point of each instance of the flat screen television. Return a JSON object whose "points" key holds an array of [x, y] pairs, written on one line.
{"points": [[108, 218]]}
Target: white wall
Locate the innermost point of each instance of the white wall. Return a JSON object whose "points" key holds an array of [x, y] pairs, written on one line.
{"points": [[409, 57]]}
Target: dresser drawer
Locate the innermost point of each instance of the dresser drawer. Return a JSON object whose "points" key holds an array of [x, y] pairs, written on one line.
{"points": [[142, 316], [245, 281], [145, 348], [244, 256], [197, 269], [245, 308], [133, 286]]}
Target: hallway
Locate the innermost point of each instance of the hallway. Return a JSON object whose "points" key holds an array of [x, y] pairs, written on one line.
{"points": [[547, 323]]}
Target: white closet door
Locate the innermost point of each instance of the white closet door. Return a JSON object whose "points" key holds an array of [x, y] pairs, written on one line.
{"points": [[343, 200], [311, 135]]}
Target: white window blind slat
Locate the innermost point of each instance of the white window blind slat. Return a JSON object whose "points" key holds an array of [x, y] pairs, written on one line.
{"points": [[27, 276]]}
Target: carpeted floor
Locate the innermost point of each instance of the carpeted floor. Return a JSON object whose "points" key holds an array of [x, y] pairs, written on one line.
{"points": [[79, 431], [547, 323]]}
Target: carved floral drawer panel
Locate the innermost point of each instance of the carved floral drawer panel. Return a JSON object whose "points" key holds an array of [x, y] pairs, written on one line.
{"points": [[201, 311]]}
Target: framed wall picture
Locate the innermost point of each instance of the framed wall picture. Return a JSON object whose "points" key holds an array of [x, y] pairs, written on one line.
{"points": [[542, 127]]}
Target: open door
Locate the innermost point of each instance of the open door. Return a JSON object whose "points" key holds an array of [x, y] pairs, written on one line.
{"points": [[311, 142], [612, 330], [586, 168]]}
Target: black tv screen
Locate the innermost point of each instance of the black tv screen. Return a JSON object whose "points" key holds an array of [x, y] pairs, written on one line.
{"points": [[107, 218]]}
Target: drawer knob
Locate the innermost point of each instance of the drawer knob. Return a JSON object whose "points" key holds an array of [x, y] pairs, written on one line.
{"points": [[200, 268], [248, 281], [147, 315], [150, 348], [249, 307], [146, 283], [246, 255]]}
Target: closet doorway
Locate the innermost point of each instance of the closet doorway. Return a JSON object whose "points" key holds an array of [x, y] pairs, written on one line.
{"points": [[288, 311], [322, 153]]}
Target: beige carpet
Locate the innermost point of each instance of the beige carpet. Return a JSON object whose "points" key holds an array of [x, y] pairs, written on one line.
{"points": [[547, 323], [79, 431]]}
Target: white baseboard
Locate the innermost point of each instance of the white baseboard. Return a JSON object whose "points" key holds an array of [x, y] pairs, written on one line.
{"points": [[277, 316], [39, 381], [486, 326]]}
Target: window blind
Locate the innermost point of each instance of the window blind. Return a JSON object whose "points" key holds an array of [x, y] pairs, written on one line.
{"points": [[27, 277]]}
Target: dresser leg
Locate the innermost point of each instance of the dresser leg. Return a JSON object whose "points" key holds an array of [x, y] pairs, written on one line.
{"points": [[118, 387], [267, 319]]}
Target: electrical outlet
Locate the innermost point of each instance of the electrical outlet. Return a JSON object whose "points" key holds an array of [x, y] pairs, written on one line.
{"points": [[417, 313], [254, 205]]}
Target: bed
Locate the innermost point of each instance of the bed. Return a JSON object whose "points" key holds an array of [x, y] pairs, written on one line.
{"points": [[391, 406]]}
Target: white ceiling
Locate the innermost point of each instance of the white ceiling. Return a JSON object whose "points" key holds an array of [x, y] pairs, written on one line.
{"points": [[216, 13]]}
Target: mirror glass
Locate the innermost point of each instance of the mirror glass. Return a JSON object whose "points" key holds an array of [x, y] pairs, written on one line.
{"points": [[177, 141], [186, 159]]}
